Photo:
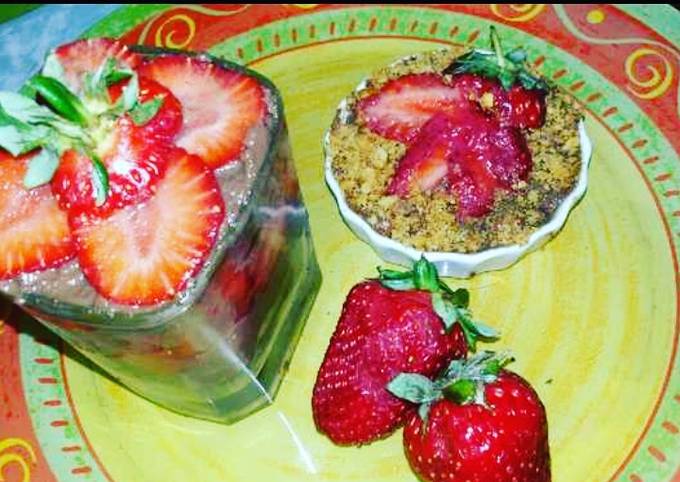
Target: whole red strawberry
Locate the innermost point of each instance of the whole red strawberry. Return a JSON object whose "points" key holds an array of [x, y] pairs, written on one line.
{"points": [[406, 321], [479, 423]]}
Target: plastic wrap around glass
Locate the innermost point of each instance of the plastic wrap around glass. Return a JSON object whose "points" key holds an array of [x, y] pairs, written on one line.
{"points": [[220, 349]]}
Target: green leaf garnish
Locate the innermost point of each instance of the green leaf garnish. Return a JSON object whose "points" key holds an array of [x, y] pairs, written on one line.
{"points": [[96, 85], [18, 137], [17, 141], [399, 284], [116, 76], [462, 382], [390, 274], [397, 280], [41, 168], [63, 120], [53, 68], [128, 99], [60, 99], [142, 113], [450, 305], [451, 313], [425, 275], [461, 391], [509, 68], [446, 310], [25, 109], [474, 330], [517, 55], [460, 297], [484, 331], [100, 179], [414, 388], [130, 94]]}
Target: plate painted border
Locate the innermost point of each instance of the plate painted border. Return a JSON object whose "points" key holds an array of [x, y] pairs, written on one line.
{"points": [[33, 388]]}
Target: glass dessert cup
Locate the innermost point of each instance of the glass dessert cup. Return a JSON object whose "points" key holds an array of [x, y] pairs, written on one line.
{"points": [[220, 349]]}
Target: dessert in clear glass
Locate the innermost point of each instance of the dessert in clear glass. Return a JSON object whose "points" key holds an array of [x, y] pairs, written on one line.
{"points": [[151, 216]]}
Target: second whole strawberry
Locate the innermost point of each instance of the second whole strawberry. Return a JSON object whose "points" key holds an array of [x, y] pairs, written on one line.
{"points": [[477, 423]]}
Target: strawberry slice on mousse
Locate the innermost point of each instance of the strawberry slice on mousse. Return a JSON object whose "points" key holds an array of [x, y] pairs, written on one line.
{"points": [[145, 254], [220, 106], [86, 55], [133, 155], [34, 232]]}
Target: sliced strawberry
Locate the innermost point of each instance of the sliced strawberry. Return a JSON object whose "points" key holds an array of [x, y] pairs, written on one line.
{"points": [[507, 156], [402, 106], [473, 185], [86, 55], [167, 122], [134, 170], [528, 107], [134, 157], [485, 157], [34, 232], [474, 87], [517, 107], [472, 152], [425, 163], [146, 254], [220, 105]]}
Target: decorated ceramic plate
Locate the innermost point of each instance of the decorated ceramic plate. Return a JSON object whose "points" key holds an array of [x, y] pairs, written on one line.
{"points": [[592, 317]]}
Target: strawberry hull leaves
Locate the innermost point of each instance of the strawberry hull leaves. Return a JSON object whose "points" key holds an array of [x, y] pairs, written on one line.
{"points": [[97, 83], [67, 120], [509, 68], [451, 306], [459, 382], [477, 421], [72, 62], [142, 113], [60, 99], [41, 168], [100, 180], [17, 137]]}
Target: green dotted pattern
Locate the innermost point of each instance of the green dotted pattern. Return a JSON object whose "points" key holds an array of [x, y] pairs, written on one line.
{"points": [[55, 426]]}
